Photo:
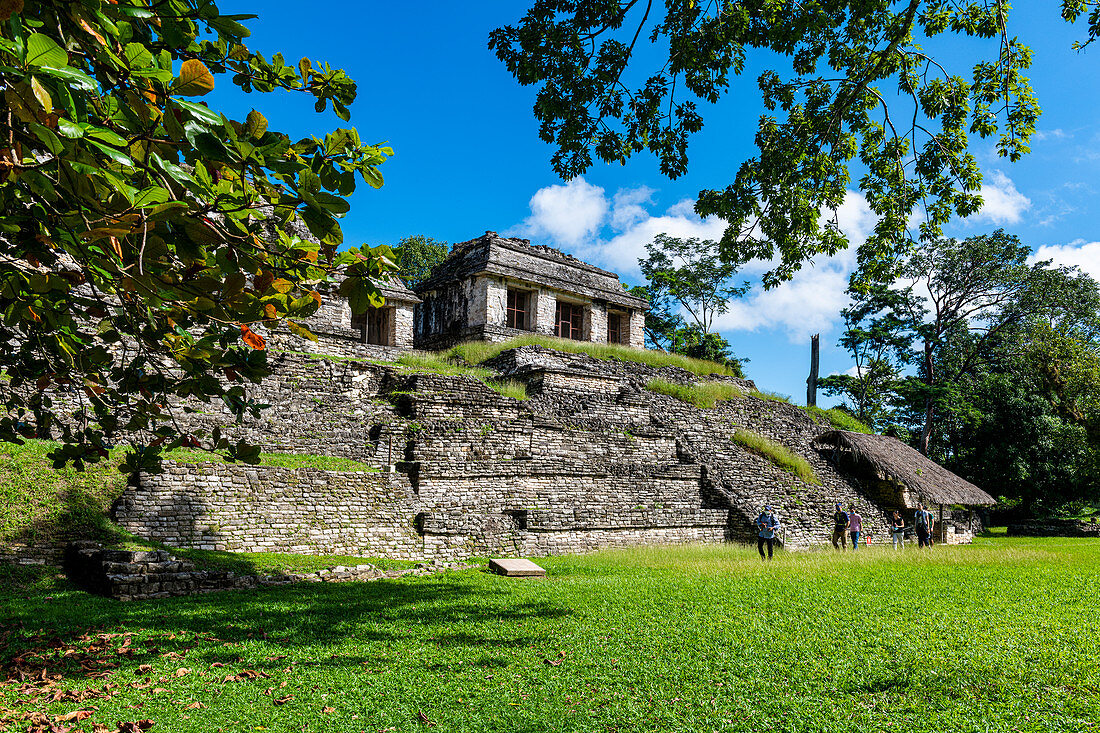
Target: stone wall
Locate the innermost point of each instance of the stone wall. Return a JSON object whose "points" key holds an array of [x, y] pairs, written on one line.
{"points": [[591, 460], [128, 575], [1054, 528]]}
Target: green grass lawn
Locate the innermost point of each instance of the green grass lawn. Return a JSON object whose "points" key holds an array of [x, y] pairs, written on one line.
{"points": [[1000, 636]]}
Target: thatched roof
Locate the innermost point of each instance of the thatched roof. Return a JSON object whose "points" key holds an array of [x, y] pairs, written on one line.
{"points": [[925, 480]]}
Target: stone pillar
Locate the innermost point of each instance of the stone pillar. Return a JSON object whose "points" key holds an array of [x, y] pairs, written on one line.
{"points": [[543, 307], [595, 323], [402, 325], [636, 329], [496, 301]]}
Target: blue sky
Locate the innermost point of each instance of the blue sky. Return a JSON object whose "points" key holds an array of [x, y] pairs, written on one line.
{"points": [[468, 158]]}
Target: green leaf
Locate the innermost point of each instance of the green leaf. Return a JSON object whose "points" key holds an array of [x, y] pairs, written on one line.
{"points": [[299, 330], [105, 135], [44, 51], [178, 174], [116, 155], [48, 138], [150, 197], [137, 56], [200, 111], [75, 77], [68, 129]]}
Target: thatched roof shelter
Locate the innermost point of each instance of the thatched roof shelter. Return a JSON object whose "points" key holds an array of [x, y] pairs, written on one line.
{"points": [[889, 460]]}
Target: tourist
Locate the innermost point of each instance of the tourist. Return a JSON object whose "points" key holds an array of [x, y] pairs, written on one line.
{"points": [[897, 530], [931, 527], [855, 525], [920, 521], [767, 524], [840, 526]]}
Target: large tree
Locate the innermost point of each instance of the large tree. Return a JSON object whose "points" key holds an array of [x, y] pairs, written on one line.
{"points": [[144, 235], [417, 255], [691, 273], [961, 307], [688, 276], [849, 91]]}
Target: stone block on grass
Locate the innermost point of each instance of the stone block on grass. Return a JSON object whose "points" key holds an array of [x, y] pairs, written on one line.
{"points": [[516, 568]]}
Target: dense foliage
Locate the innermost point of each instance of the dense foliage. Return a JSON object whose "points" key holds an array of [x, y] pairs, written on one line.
{"points": [[417, 255], [688, 276], [143, 235], [849, 89], [989, 364]]}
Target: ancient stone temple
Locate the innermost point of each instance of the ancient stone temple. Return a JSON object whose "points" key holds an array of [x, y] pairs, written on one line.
{"points": [[377, 333], [495, 288]]}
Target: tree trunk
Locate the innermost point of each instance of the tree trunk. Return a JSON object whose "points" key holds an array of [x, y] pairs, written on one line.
{"points": [[929, 409], [811, 381]]}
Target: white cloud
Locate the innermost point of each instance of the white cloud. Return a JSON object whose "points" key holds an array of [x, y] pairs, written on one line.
{"points": [[1057, 133], [621, 252], [626, 206], [567, 214], [812, 300], [1001, 202], [1085, 255]]}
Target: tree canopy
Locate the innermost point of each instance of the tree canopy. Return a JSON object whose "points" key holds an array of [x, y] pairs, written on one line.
{"points": [[991, 364], [688, 276], [144, 235], [417, 255], [856, 96]]}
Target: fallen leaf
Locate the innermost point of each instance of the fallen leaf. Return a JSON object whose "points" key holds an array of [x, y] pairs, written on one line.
{"points": [[145, 669], [424, 718], [181, 672], [328, 710], [76, 715], [284, 700], [134, 726], [195, 705]]}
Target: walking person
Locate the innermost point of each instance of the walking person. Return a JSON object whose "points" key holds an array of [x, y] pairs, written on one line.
{"points": [[897, 530], [920, 521], [767, 524], [840, 526], [855, 525]]}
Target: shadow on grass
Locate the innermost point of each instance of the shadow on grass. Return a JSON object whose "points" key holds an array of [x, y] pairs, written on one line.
{"points": [[53, 615]]}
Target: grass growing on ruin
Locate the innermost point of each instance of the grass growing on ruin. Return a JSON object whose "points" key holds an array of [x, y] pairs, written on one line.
{"points": [[41, 504], [656, 639], [476, 352], [436, 363], [778, 454], [277, 460], [701, 394], [837, 418], [763, 394]]}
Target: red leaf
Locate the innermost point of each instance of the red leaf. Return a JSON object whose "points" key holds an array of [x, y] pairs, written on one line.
{"points": [[253, 339]]}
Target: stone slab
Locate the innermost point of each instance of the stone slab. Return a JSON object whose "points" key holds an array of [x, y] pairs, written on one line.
{"points": [[516, 568]]}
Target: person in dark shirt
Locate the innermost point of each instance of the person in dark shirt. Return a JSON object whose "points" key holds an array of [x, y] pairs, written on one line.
{"points": [[897, 530], [840, 527], [767, 524], [920, 521]]}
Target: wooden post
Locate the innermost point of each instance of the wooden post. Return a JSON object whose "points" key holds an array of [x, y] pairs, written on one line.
{"points": [[811, 381]]}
